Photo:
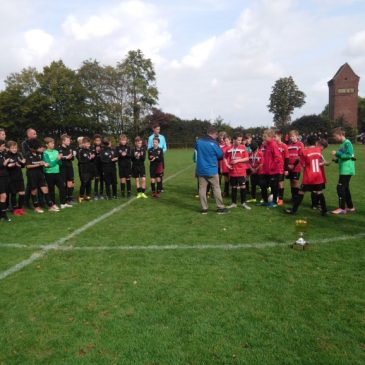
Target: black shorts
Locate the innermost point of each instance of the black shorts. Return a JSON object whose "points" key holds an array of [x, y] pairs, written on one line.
{"points": [[4, 185], [237, 181], [138, 171], [16, 186], [255, 179], [281, 177], [36, 180], [67, 173], [311, 187], [125, 170], [293, 175], [86, 177], [248, 172], [154, 171]]}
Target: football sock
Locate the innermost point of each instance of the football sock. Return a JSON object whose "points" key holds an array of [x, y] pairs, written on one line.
{"points": [[322, 202], [2, 209], [96, 187], [234, 195], [153, 187], [226, 187], [21, 201], [129, 186], [70, 193], [281, 193], [294, 192], [297, 201], [143, 190], [159, 186], [122, 187], [35, 201], [13, 201], [264, 193], [48, 200], [243, 195]]}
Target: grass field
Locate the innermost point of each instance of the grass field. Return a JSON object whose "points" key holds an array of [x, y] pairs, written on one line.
{"points": [[154, 282]]}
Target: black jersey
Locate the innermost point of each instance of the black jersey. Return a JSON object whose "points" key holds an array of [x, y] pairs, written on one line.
{"points": [[138, 156], [155, 155], [66, 151], [107, 155], [3, 169], [34, 159], [85, 160], [123, 152], [15, 171]]}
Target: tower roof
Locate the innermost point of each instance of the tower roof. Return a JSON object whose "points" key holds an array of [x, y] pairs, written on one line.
{"points": [[343, 68]]}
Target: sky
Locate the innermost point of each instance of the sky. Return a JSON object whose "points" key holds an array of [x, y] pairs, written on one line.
{"points": [[212, 57]]}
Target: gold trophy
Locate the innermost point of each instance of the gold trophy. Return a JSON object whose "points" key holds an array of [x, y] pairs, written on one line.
{"points": [[301, 226]]}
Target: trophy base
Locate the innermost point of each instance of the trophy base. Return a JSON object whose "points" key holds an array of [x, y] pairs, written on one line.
{"points": [[300, 247]]}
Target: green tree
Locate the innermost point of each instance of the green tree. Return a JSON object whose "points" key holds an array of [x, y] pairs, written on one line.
{"points": [[140, 78], [284, 98], [312, 124], [361, 123]]}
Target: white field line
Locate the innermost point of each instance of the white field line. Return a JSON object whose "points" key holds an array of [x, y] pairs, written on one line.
{"points": [[181, 247], [56, 244]]}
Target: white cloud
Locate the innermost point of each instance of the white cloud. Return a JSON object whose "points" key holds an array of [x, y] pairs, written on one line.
{"points": [[38, 42]]}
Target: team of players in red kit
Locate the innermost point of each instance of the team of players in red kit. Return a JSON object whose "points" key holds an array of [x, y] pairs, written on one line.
{"points": [[247, 165]]}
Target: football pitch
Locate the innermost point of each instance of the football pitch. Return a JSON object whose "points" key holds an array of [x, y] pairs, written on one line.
{"points": [[155, 282]]}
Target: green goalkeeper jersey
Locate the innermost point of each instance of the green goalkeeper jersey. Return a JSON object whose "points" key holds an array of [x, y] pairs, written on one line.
{"points": [[346, 158]]}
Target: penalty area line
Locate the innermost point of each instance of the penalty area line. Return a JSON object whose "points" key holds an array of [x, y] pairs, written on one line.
{"points": [[56, 244], [182, 247]]}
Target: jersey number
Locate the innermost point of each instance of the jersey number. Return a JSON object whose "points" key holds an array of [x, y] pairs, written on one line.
{"points": [[315, 166]]}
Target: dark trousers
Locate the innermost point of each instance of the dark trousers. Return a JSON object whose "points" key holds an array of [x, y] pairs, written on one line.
{"points": [[271, 181], [343, 192], [56, 180], [110, 181]]}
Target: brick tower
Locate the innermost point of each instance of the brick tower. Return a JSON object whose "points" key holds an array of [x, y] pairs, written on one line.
{"points": [[343, 95]]}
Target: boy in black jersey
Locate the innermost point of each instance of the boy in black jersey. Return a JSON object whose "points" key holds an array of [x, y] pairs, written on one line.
{"points": [[66, 168], [123, 151], [98, 173], [108, 162], [85, 158], [155, 155], [36, 179], [16, 187], [4, 182], [138, 168]]}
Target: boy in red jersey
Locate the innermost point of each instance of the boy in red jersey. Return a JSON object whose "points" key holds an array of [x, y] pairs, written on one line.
{"points": [[295, 148], [284, 152], [224, 168], [236, 158], [313, 178], [256, 163], [271, 169]]}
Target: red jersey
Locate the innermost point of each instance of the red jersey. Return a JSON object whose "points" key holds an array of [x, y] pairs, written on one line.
{"points": [[295, 152], [237, 153], [272, 159], [311, 160], [284, 152], [224, 168], [256, 159]]}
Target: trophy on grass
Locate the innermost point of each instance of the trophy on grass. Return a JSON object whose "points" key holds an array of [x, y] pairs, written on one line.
{"points": [[301, 226]]}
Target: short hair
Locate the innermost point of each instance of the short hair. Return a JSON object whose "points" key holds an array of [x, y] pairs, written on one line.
{"points": [[34, 144], [339, 131], [222, 134], [269, 133], [64, 137], [137, 139], [311, 140], [79, 139], [48, 140], [211, 130], [254, 146], [294, 132], [123, 136], [237, 135], [279, 132], [11, 143], [2, 130], [97, 136], [106, 141], [156, 139], [85, 140], [323, 142], [155, 125]]}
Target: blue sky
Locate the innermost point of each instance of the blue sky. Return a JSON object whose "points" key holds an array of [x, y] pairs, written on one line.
{"points": [[212, 57]]}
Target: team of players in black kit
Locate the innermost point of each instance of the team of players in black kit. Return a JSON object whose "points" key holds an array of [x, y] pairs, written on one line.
{"points": [[48, 167]]}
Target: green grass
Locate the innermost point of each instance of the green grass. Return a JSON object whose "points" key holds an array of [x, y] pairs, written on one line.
{"points": [[245, 306]]}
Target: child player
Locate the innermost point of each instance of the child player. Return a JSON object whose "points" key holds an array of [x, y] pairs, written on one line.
{"points": [[155, 155], [4, 182], [66, 168], [295, 148], [284, 152], [108, 161], [123, 151], [256, 163], [98, 173], [247, 141], [86, 169], [346, 162], [52, 158], [138, 168], [236, 158], [224, 168], [311, 160], [16, 180], [35, 174]]}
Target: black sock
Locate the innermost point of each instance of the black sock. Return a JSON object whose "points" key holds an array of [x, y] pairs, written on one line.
{"points": [[243, 195], [264, 194], [294, 192], [139, 190], [13, 201], [234, 195], [297, 201], [70, 192], [226, 187], [153, 187], [159, 186], [247, 186], [35, 200], [21, 201], [122, 188], [2, 209], [129, 186], [48, 200], [96, 187], [322, 201], [143, 190], [281, 193], [88, 189]]}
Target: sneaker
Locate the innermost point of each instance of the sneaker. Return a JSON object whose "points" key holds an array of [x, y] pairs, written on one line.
{"points": [[101, 197], [96, 197], [66, 205], [251, 201], [245, 206], [233, 205], [129, 194], [204, 211], [153, 195], [115, 197], [162, 190], [144, 196], [262, 204], [289, 211], [38, 210], [196, 195], [80, 199], [222, 211], [139, 195], [280, 202], [350, 210], [271, 205], [87, 198], [17, 212], [53, 208], [22, 211], [157, 195], [339, 211], [5, 218]]}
